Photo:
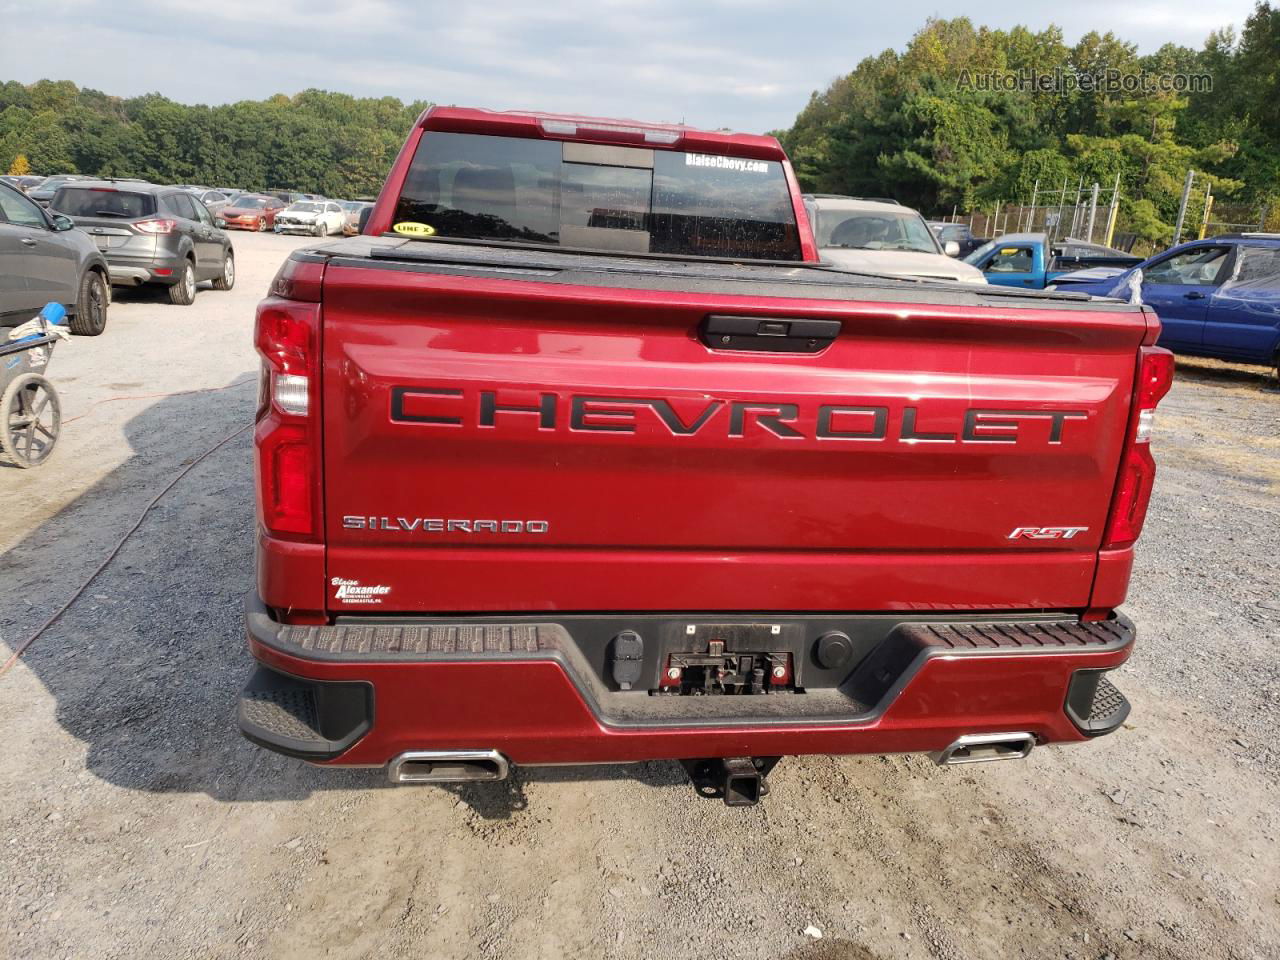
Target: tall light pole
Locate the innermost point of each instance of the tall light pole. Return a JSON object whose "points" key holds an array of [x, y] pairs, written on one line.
{"points": [[1182, 207]]}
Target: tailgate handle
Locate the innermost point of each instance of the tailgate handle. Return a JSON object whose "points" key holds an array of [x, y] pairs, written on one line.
{"points": [[774, 334]]}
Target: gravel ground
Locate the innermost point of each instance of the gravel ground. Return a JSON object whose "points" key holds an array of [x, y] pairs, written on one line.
{"points": [[134, 821]]}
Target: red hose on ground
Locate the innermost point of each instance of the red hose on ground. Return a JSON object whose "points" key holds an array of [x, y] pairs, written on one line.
{"points": [[22, 647]]}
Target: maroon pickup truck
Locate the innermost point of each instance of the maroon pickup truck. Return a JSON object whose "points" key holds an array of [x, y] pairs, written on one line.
{"points": [[578, 455]]}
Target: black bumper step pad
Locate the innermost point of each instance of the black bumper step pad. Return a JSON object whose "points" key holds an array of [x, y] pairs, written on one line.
{"points": [[283, 712], [1110, 706], [311, 719], [1094, 704]]}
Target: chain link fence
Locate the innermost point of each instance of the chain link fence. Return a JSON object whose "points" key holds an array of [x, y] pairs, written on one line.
{"points": [[1080, 221], [1107, 225], [1239, 218]]}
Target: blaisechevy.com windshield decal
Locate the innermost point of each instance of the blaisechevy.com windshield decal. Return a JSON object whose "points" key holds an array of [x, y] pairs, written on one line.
{"points": [[725, 163]]}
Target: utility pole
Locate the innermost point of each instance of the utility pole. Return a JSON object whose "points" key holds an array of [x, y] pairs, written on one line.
{"points": [[1182, 207], [1093, 208], [1114, 213], [1035, 190], [1075, 211], [1062, 208]]}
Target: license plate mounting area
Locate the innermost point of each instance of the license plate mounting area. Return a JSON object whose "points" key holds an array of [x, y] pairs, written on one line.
{"points": [[729, 660]]}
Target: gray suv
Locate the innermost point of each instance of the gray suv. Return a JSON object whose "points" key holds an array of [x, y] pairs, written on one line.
{"points": [[151, 235], [44, 258]]}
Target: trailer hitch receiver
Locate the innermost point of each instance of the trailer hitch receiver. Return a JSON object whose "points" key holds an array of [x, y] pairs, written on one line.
{"points": [[739, 781]]}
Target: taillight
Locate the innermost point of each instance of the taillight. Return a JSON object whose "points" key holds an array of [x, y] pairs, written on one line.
{"points": [[287, 439], [156, 226], [1137, 466]]}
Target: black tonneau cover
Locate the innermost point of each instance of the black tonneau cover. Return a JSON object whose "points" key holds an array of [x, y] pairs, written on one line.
{"points": [[766, 279]]}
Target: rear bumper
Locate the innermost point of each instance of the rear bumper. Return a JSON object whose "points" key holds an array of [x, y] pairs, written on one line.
{"points": [[134, 271], [122, 276], [363, 694]]}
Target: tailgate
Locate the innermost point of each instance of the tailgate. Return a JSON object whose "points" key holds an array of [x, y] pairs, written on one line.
{"points": [[513, 444], [109, 235]]}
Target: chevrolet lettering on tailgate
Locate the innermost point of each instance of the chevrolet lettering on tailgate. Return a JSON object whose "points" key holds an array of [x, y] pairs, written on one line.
{"points": [[449, 406]]}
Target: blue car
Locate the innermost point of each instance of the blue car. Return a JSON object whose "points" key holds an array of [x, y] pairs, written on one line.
{"points": [[1218, 297]]}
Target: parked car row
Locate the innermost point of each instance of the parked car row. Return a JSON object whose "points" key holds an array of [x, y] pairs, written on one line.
{"points": [[94, 234], [69, 238], [240, 209], [318, 217]]}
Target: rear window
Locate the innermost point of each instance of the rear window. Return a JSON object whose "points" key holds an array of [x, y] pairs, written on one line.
{"points": [[625, 199], [1258, 265], [103, 202]]}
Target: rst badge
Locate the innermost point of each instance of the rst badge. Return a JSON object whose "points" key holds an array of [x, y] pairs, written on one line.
{"points": [[1046, 533]]}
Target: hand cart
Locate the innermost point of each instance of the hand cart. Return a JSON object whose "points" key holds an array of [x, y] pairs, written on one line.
{"points": [[28, 401]]}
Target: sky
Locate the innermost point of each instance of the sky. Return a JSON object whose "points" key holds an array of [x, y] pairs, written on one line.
{"points": [[745, 64]]}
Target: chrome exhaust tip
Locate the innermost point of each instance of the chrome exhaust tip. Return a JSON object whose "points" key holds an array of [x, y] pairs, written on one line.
{"points": [[448, 766], [986, 747]]}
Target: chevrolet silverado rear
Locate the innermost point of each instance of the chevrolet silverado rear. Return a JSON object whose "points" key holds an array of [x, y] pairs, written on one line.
{"points": [[577, 455]]}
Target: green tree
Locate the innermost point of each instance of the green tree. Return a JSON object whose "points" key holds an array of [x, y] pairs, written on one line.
{"points": [[317, 141], [915, 125]]}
